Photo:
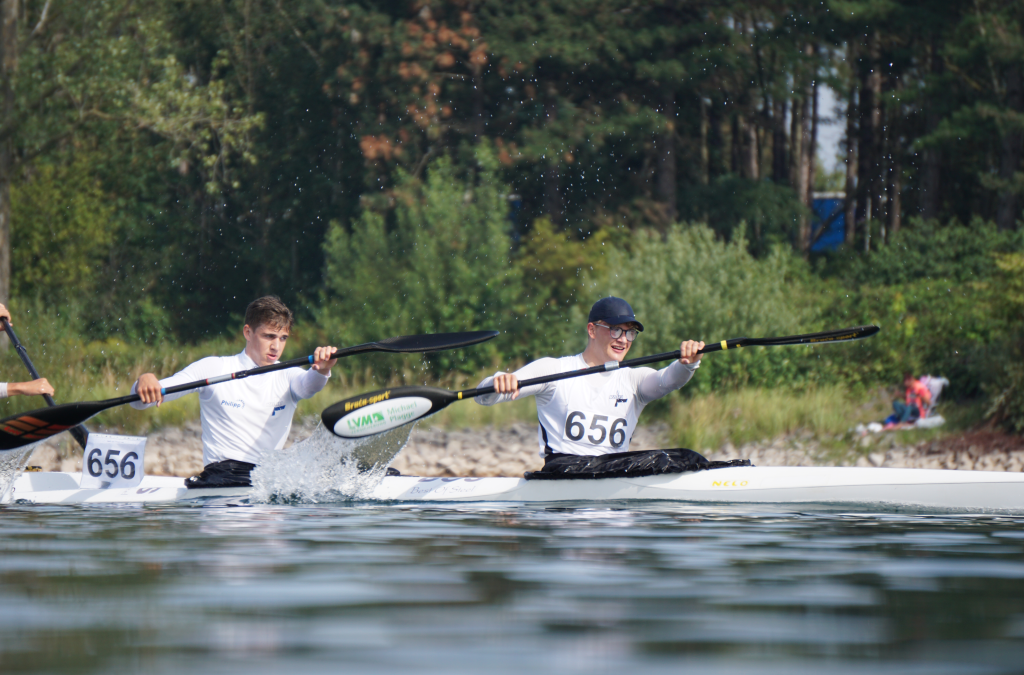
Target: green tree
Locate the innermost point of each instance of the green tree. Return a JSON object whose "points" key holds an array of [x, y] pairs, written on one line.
{"points": [[689, 284], [102, 74], [440, 261], [64, 224]]}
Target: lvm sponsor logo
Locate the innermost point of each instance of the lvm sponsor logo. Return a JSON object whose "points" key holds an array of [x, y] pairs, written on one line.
{"points": [[366, 421]]}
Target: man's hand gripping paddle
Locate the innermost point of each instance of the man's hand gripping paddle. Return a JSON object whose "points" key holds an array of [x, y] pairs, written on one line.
{"points": [[25, 428], [386, 409], [80, 433]]}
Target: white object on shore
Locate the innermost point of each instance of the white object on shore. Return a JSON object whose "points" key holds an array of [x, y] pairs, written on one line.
{"points": [[930, 422], [845, 487]]}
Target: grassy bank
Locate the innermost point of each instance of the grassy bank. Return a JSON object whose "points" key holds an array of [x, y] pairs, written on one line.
{"points": [[756, 414]]}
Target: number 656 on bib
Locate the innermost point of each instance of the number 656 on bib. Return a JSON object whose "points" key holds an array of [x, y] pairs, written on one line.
{"points": [[112, 461], [588, 427]]}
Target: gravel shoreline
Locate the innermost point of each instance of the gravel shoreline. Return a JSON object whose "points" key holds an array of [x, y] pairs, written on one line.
{"points": [[177, 451]]}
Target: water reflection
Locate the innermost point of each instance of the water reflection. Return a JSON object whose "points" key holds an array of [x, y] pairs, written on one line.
{"points": [[414, 588]]}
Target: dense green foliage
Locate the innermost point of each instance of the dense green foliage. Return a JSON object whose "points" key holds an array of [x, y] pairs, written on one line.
{"points": [[444, 261], [1007, 407], [61, 208], [687, 284], [958, 253]]}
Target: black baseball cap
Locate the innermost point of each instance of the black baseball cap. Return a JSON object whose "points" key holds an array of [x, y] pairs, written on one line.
{"points": [[613, 311]]}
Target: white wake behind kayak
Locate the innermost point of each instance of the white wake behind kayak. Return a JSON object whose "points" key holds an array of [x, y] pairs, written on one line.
{"points": [[976, 491]]}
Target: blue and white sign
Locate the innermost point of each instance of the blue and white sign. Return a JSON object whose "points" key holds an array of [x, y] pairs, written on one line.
{"points": [[113, 461]]}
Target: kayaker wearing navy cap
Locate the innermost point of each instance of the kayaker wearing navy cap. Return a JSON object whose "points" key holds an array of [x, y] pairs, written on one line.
{"points": [[596, 414], [247, 418]]}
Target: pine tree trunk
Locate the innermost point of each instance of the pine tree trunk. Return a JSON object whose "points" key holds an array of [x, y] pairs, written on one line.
{"points": [[850, 214], [8, 66], [812, 161], [868, 178], [804, 154], [705, 160], [895, 196], [751, 161], [795, 145], [803, 183], [552, 174], [885, 169], [1009, 160], [716, 142], [780, 174], [931, 198], [894, 186], [735, 156], [667, 160], [478, 103]]}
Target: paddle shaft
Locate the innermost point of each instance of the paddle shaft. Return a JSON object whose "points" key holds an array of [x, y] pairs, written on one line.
{"points": [[280, 365], [736, 343], [410, 343], [80, 433], [385, 409], [604, 367]]}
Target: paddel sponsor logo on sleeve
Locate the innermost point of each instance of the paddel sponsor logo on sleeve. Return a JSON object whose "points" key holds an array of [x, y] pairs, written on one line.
{"points": [[381, 416]]}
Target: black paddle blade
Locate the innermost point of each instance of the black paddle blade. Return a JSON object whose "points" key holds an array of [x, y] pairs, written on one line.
{"points": [[434, 342], [26, 428], [843, 335], [384, 409]]}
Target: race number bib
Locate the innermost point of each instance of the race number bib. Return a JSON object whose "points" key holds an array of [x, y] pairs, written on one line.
{"points": [[587, 427], [113, 461]]}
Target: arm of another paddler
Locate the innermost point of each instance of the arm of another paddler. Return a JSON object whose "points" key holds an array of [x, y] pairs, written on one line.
{"points": [[79, 432]]}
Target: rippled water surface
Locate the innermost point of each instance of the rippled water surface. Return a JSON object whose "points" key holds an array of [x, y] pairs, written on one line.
{"points": [[481, 589]]}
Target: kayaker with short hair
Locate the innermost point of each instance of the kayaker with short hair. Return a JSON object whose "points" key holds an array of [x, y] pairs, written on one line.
{"points": [[596, 414], [244, 419], [32, 387]]}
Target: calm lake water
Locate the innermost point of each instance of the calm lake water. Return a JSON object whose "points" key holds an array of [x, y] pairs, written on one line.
{"points": [[481, 589]]}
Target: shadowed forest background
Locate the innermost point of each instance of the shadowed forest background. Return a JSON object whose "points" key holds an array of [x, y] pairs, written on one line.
{"points": [[403, 167]]}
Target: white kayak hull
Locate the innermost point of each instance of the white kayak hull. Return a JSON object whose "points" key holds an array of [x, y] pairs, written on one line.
{"points": [[976, 491]]}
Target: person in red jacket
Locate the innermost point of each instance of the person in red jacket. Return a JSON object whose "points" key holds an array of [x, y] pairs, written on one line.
{"points": [[916, 401]]}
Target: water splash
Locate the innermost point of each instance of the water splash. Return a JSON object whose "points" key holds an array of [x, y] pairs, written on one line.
{"points": [[12, 463], [327, 468]]}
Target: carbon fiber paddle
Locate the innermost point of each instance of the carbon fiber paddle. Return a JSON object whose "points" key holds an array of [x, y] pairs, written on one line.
{"points": [[80, 433], [386, 409], [25, 428]]}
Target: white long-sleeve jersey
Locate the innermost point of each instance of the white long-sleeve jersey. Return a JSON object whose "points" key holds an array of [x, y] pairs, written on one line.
{"points": [[594, 414], [243, 419]]}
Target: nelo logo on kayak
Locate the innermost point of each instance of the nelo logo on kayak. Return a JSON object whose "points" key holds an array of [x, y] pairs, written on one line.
{"points": [[728, 483], [381, 416]]}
